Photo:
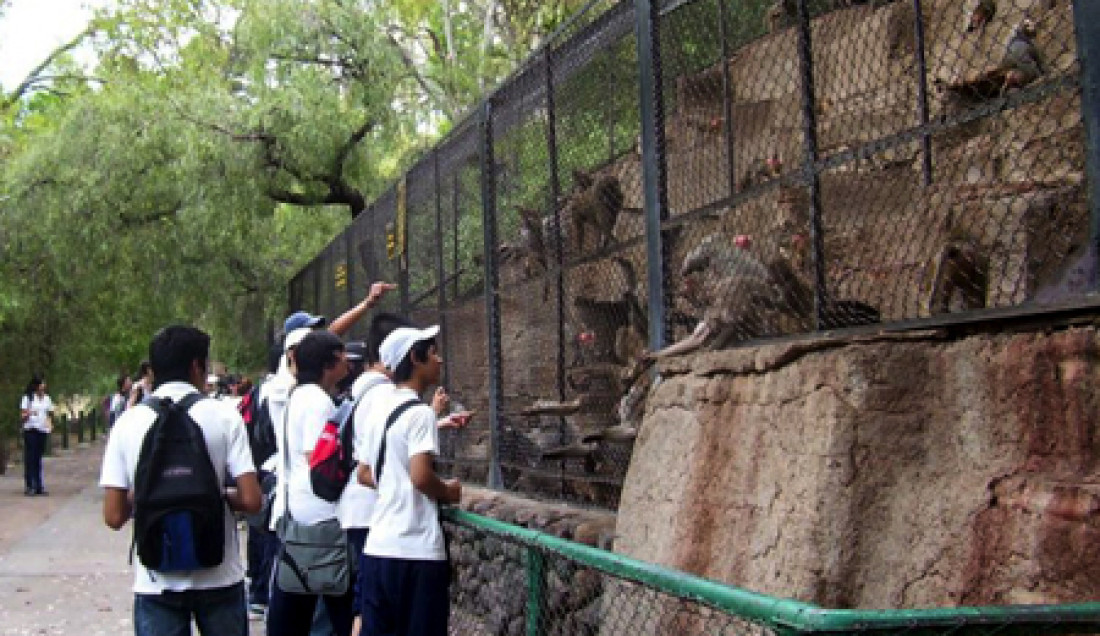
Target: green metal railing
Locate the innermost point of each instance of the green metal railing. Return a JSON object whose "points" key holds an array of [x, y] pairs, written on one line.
{"points": [[513, 580]]}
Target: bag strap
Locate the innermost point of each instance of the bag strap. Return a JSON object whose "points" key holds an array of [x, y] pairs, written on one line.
{"points": [[382, 447], [286, 457]]}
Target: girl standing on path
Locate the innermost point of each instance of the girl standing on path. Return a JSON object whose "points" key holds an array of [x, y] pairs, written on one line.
{"points": [[36, 413]]}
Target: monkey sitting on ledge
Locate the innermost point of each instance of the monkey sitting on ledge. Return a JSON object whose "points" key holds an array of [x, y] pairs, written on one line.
{"points": [[742, 298]]}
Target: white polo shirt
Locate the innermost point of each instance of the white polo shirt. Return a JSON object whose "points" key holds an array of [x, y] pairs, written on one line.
{"points": [[306, 413], [405, 523], [40, 407], [227, 444], [357, 503]]}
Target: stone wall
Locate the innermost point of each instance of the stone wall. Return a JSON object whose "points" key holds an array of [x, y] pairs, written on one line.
{"points": [[904, 470]]}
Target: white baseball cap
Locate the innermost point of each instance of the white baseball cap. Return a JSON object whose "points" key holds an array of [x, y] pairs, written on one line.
{"points": [[396, 345], [294, 337]]}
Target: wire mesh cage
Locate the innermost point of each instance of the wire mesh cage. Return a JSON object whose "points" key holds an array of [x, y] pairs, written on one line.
{"points": [[813, 166]]}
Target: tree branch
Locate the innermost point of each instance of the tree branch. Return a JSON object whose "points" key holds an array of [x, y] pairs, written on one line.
{"points": [[32, 77]]}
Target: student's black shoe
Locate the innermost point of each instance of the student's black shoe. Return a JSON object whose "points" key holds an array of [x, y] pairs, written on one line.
{"points": [[42, 492], [27, 492]]}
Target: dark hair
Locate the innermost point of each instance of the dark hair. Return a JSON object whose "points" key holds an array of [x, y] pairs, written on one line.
{"points": [[33, 385], [380, 327], [121, 381], [419, 350], [173, 350], [144, 367], [315, 353]]}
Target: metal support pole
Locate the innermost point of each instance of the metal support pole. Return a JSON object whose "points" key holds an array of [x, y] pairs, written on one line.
{"points": [[727, 94], [555, 220], [536, 590], [492, 297], [1086, 18], [654, 179], [810, 175], [454, 236], [440, 270], [80, 428], [349, 263], [922, 93]]}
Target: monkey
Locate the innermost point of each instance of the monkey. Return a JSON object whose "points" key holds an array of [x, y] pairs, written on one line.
{"points": [[770, 168], [532, 240], [961, 267], [596, 202], [980, 15], [1022, 63], [728, 283]]}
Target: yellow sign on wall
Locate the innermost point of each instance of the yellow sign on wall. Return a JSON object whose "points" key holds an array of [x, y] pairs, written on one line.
{"points": [[341, 275]]}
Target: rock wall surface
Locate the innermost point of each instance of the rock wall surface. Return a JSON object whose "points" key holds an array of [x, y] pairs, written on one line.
{"points": [[906, 470]]}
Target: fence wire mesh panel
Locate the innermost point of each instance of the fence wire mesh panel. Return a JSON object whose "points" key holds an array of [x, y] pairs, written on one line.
{"points": [[464, 452], [361, 267], [820, 165]]}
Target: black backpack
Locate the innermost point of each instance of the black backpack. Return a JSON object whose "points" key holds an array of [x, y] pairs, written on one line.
{"points": [[261, 430], [179, 508]]}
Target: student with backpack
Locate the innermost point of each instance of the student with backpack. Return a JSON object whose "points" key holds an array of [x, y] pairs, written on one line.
{"points": [[319, 363], [179, 465], [406, 573]]}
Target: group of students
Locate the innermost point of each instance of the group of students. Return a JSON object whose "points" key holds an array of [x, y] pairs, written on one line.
{"points": [[401, 573]]}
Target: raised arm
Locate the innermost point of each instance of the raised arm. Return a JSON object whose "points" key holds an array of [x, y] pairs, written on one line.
{"points": [[346, 320]]}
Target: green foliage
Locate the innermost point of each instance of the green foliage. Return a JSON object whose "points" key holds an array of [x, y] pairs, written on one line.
{"points": [[214, 149]]}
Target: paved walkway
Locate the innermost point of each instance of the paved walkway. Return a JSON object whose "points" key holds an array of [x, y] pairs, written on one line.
{"points": [[62, 571]]}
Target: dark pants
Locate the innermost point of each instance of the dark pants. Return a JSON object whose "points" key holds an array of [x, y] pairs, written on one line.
{"points": [[404, 597], [217, 612], [34, 447], [357, 538], [292, 614], [263, 545]]}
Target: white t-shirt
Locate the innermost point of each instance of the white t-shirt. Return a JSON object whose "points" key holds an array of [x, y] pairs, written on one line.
{"points": [[405, 523], [275, 390], [306, 412], [356, 505], [227, 443], [40, 406]]}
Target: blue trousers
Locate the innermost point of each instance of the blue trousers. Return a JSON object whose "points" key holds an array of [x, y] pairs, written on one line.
{"points": [[404, 597], [34, 447], [217, 612]]}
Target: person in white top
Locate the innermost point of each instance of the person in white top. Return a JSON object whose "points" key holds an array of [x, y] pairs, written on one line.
{"points": [[214, 598], [356, 506], [406, 573], [319, 362], [36, 413]]}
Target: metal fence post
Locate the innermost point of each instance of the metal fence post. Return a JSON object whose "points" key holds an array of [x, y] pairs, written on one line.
{"points": [[349, 268], [492, 297], [441, 272], [555, 220], [727, 94], [1086, 18], [95, 415], [654, 177], [536, 589], [809, 123], [922, 93], [80, 428]]}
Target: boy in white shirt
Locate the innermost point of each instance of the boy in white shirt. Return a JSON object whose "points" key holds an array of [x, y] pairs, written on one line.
{"points": [[406, 574], [214, 597]]}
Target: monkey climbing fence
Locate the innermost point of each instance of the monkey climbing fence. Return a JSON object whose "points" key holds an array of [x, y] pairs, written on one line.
{"points": [[715, 173]]}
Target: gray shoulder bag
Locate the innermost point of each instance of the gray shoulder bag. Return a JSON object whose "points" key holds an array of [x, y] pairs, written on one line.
{"points": [[313, 559]]}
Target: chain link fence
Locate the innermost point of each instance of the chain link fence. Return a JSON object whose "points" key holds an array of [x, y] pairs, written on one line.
{"points": [[718, 173], [512, 581]]}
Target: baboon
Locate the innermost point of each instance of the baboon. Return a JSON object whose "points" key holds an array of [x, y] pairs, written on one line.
{"points": [[743, 297], [960, 268], [596, 202], [781, 14], [980, 15], [613, 330]]}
